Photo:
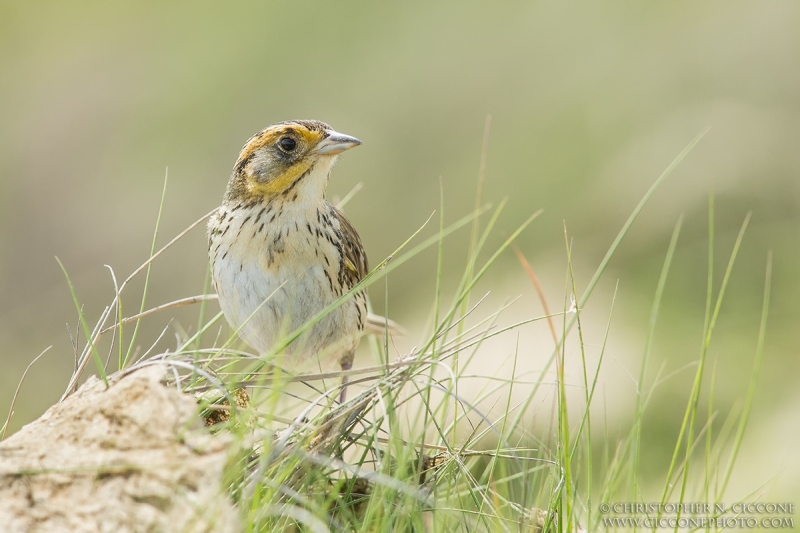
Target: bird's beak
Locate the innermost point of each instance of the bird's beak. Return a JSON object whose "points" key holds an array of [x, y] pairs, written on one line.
{"points": [[336, 143]]}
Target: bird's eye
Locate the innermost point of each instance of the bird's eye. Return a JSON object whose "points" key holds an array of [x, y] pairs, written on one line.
{"points": [[287, 144]]}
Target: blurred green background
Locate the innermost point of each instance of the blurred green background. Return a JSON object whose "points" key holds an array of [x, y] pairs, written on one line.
{"points": [[589, 103]]}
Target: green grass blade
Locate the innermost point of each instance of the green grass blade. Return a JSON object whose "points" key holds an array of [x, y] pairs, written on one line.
{"points": [[147, 275], [98, 362], [639, 413], [751, 389], [693, 405]]}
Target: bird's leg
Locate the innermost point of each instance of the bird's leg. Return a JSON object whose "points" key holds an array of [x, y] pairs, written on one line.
{"points": [[343, 394], [346, 363]]}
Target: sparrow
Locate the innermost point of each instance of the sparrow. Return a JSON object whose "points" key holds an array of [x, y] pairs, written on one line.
{"points": [[281, 253]]}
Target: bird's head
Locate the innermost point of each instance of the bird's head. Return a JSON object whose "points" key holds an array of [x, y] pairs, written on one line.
{"points": [[273, 160]]}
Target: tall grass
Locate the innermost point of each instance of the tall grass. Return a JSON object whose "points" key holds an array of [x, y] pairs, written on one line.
{"points": [[411, 451]]}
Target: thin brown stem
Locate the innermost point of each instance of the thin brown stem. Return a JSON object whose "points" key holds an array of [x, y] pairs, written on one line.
{"points": [[171, 305], [535, 280], [16, 393]]}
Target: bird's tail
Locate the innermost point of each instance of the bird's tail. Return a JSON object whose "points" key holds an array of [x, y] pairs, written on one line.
{"points": [[378, 325]]}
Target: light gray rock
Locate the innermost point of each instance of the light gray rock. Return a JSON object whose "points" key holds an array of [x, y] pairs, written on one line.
{"points": [[130, 458]]}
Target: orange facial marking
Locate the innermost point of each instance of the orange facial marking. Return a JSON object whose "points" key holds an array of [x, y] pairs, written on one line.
{"points": [[306, 139], [271, 135], [277, 186]]}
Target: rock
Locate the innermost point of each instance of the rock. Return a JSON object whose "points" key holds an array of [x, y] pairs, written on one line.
{"points": [[132, 457]]}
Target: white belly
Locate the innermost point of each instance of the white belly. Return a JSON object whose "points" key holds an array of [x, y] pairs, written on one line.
{"points": [[268, 295]]}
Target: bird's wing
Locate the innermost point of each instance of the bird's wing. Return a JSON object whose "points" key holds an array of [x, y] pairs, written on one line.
{"points": [[356, 266], [355, 259]]}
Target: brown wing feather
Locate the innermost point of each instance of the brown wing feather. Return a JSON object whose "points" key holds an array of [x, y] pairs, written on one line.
{"points": [[355, 259]]}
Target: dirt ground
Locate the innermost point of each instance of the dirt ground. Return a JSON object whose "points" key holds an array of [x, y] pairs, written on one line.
{"points": [[133, 457]]}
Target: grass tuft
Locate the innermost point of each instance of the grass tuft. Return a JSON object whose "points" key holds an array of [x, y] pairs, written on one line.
{"points": [[414, 449]]}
